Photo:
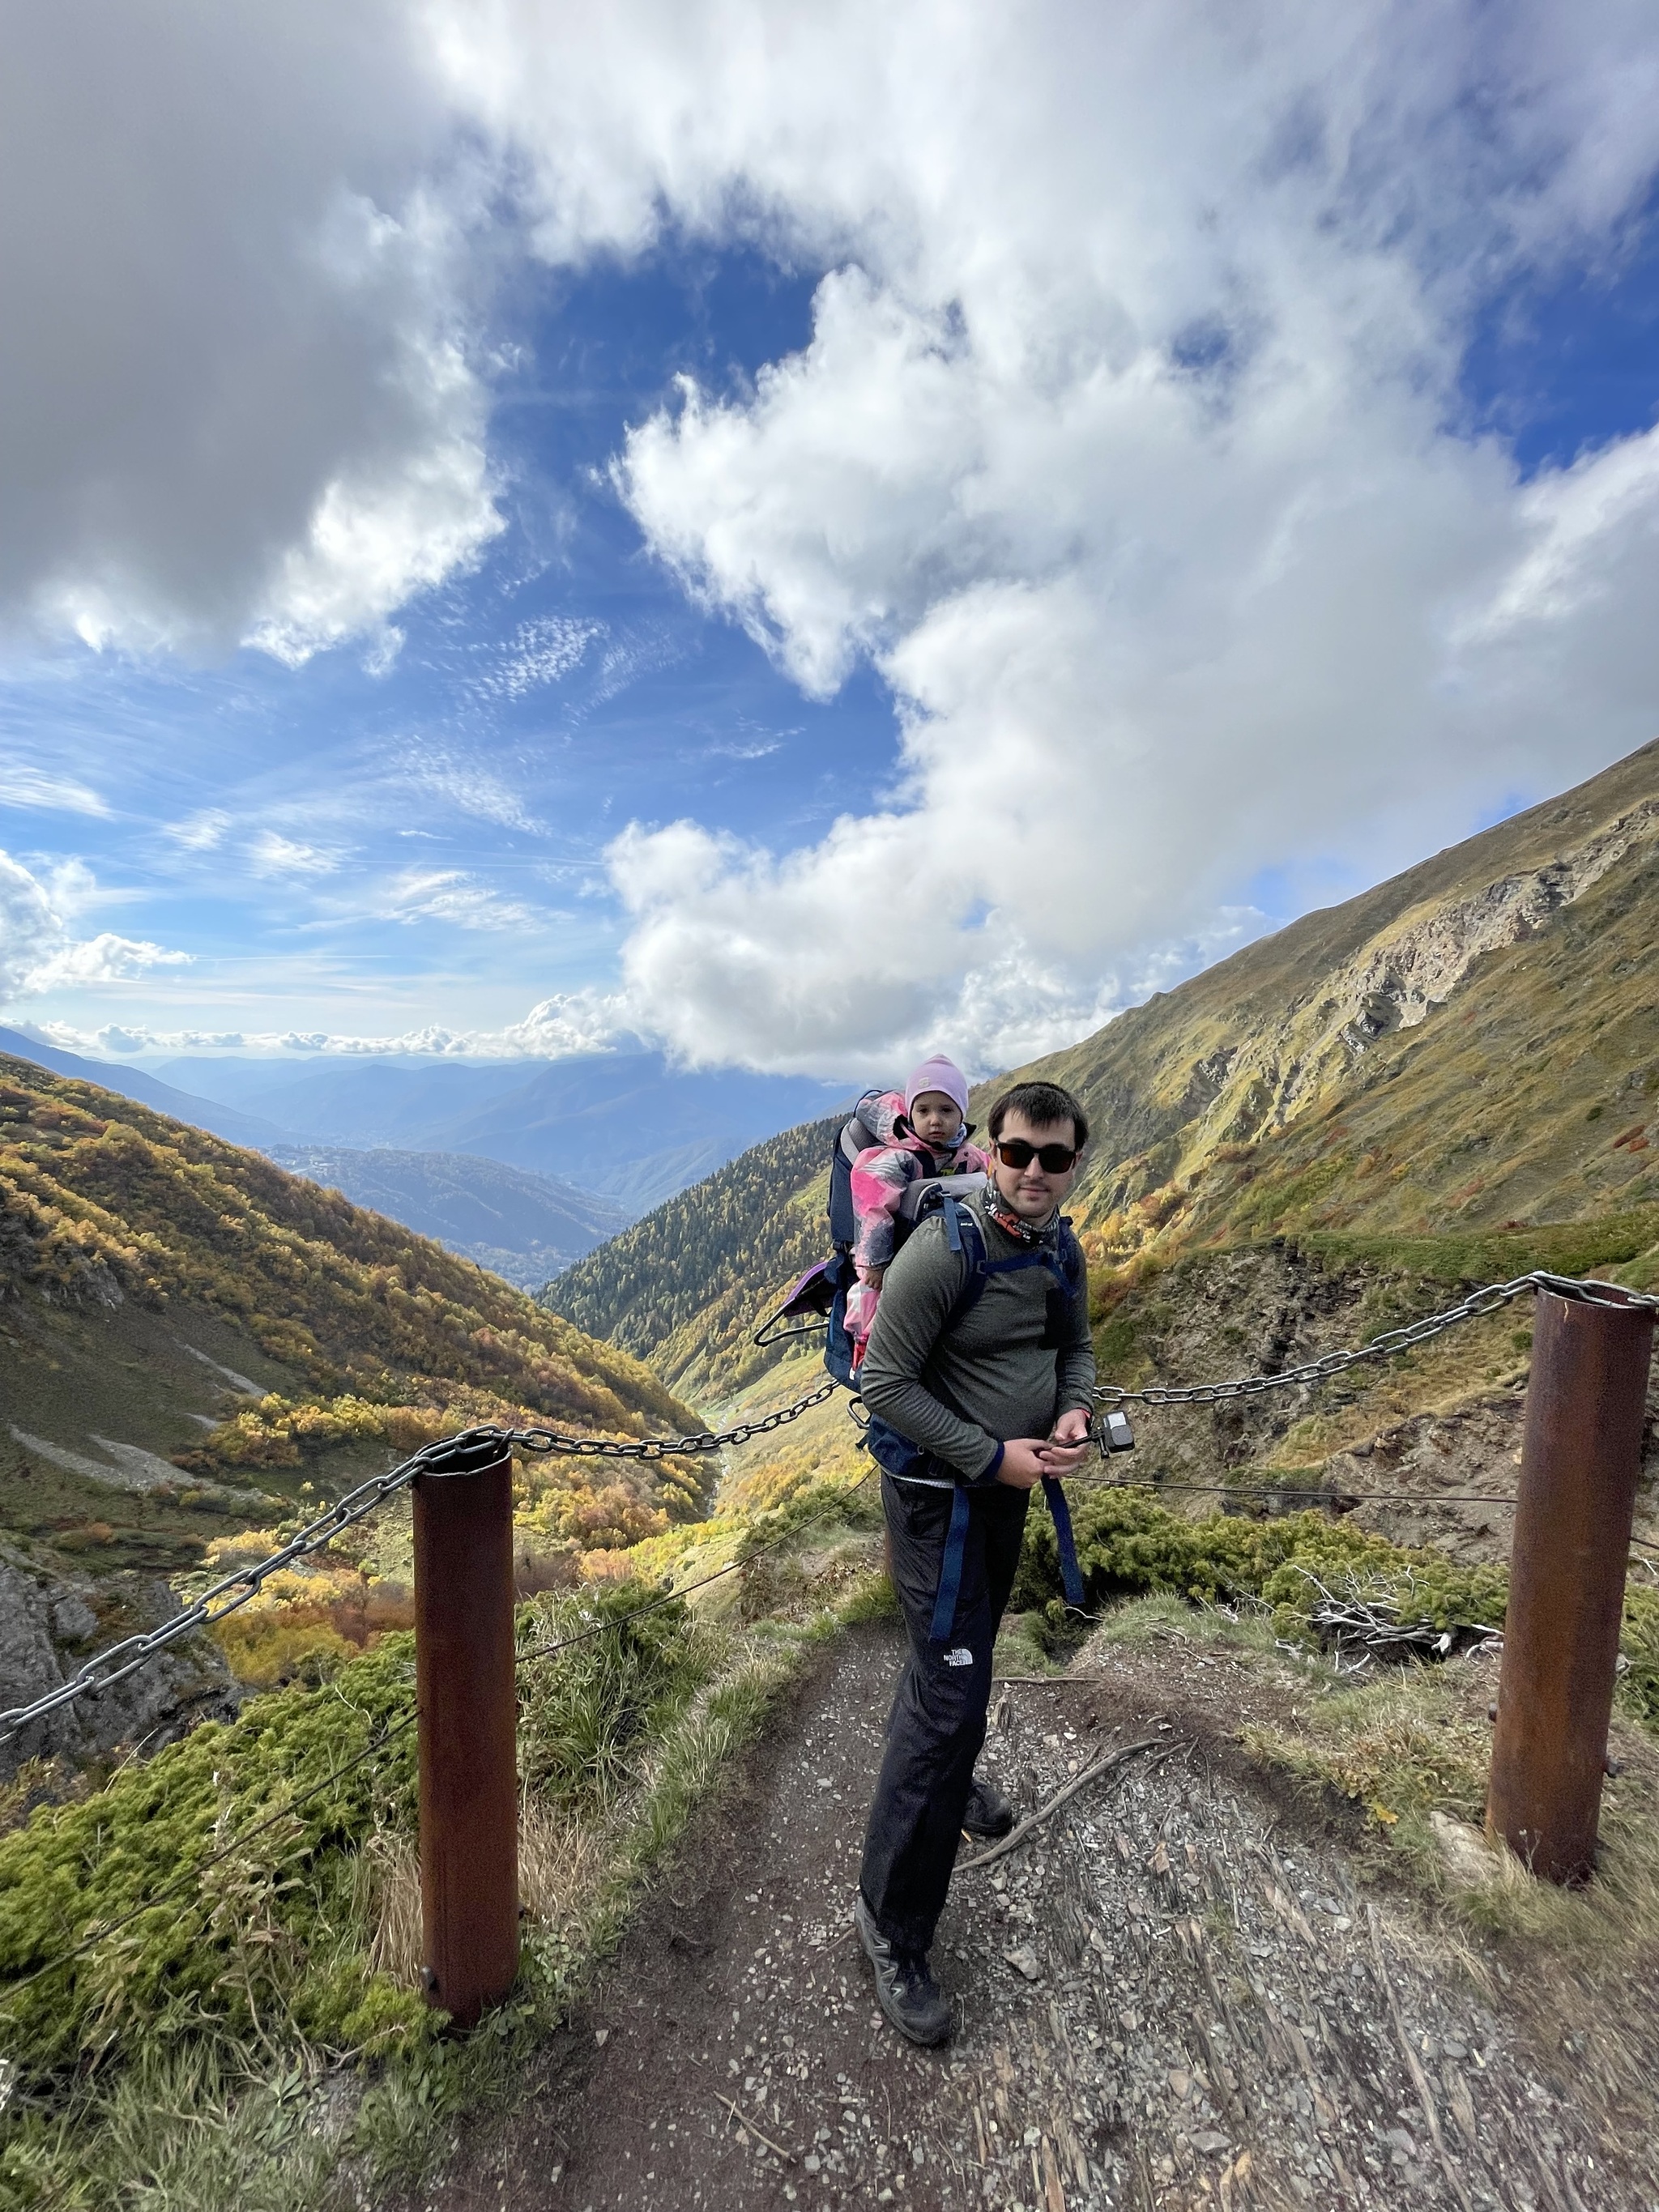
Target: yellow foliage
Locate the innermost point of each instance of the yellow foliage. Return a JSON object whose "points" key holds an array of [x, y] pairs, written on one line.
{"points": [[98, 1191], [267, 1649]]}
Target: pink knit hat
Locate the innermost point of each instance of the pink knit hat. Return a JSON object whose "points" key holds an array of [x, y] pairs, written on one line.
{"points": [[938, 1074]]}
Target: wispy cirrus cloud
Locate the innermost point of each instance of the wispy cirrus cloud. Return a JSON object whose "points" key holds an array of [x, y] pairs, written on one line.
{"points": [[270, 854], [52, 793], [541, 652], [200, 832], [452, 896], [469, 780]]}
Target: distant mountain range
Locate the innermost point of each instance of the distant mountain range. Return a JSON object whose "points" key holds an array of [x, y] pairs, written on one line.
{"points": [[597, 1141], [526, 1227], [624, 1126], [223, 1120]]}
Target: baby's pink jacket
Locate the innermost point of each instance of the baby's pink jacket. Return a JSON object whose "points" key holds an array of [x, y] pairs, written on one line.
{"points": [[883, 1173]]}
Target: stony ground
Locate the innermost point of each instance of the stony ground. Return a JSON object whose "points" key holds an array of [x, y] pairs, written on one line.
{"points": [[1179, 1993]]}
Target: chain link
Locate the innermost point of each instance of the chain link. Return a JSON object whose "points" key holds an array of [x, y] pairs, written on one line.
{"points": [[460, 1455], [1490, 1299], [108, 1667]]}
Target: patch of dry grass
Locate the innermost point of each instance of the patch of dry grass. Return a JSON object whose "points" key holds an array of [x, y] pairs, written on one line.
{"points": [[1577, 1966]]}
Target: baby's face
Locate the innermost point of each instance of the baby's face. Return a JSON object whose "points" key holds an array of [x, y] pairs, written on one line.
{"points": [[935, 1118]]}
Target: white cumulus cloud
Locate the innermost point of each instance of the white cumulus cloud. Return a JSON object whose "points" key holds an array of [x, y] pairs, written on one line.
{"points": [[38, 952], [1128, 446], [237, 248], [570, 1022]]}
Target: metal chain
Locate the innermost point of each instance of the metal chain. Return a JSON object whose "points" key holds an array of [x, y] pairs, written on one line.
{"points": [[461, 1455], [1490, 1299], [551, 1440], [108, 1667], [400, 1727]]}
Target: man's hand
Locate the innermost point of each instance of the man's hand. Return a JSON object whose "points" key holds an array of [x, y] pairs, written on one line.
{"points": [[1072, 1428], [1026, 1461]]}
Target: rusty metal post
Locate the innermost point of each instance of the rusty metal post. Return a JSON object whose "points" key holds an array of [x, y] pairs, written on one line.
{"points": [[1580, 1457], [468, 1736]]}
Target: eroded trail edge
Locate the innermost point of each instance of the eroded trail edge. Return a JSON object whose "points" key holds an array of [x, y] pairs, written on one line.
{"points": [[1177, 1993]]}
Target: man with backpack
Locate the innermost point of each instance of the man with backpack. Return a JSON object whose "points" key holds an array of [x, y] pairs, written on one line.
{"points": [[979, 1380]]}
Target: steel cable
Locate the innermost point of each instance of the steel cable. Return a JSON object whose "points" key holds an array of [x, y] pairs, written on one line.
{"points": [[478, 1447], [1490, 1299]]}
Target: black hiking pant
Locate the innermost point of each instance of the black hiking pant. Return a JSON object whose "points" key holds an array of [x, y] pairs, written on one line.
{"points": [[936, 1723]]}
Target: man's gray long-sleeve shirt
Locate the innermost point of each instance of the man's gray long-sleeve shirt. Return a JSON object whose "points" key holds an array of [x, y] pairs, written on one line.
{"points": [[996, 1368]]}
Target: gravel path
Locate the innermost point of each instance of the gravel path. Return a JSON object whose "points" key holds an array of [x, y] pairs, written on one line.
{"points": [[1174, 1995]]}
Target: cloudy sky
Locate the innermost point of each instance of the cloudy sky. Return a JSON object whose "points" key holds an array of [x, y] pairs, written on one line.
{"points": [[799, 534]]}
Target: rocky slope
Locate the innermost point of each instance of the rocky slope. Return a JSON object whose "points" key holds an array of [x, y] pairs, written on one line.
{"points": [[1475, 1041]]}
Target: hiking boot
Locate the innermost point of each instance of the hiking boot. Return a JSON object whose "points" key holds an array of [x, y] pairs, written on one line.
{"points": [[988, 1814], [905, 1989]]}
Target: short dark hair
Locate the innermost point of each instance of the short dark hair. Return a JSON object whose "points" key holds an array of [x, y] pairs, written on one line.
{"points": [[1041, 1103]]}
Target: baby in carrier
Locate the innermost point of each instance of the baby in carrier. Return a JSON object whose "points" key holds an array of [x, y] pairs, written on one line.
{"points": [[923, 1134]]}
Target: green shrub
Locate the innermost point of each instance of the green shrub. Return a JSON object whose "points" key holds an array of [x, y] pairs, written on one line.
{"points": [[270, 1939], [1128, 1546], [586, 1716]]}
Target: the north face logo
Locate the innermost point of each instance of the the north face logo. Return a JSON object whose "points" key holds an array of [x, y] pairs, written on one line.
{"points": [[961, 1656]]}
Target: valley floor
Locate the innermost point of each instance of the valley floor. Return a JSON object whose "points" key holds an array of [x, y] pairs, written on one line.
{"points": [[1191, 1988]]}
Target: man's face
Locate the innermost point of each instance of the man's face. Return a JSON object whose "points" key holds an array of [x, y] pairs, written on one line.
{"points": [[935, 1117], [1032, 1191]]}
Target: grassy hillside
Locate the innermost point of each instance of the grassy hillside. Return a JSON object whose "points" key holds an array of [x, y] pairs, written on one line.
{"points": [[197, 1347], [680, 1288], [1475, 1041], [1473, 1046]]}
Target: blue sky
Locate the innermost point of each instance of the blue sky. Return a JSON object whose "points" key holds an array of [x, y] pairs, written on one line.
{"points": [[799, 558], [426, 837]]}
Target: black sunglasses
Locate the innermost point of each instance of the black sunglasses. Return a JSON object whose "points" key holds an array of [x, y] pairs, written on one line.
{"points": [[1053, 1159]]}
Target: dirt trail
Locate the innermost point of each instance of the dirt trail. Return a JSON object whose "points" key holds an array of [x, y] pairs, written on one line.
{"points": [[1177, 1995]]}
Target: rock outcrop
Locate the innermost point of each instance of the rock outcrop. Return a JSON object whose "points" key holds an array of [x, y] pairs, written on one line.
{"points": [[49, 1626]]}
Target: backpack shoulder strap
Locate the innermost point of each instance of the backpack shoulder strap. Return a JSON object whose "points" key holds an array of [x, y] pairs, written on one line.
{"points": [[1071, 1261], [963, 1235]]}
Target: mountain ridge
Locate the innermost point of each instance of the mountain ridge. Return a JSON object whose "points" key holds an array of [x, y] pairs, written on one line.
{"points": [[625, 1126], [229, 1123], [1436, 1054], [523, 1226]]}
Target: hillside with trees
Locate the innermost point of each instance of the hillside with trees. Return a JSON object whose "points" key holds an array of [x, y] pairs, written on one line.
{"points": [[1449, 1080], [197, 1349], [678, 1288]]}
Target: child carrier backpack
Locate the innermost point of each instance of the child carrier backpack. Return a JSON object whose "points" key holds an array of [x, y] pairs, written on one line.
{"points": [[818, 1299]]}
